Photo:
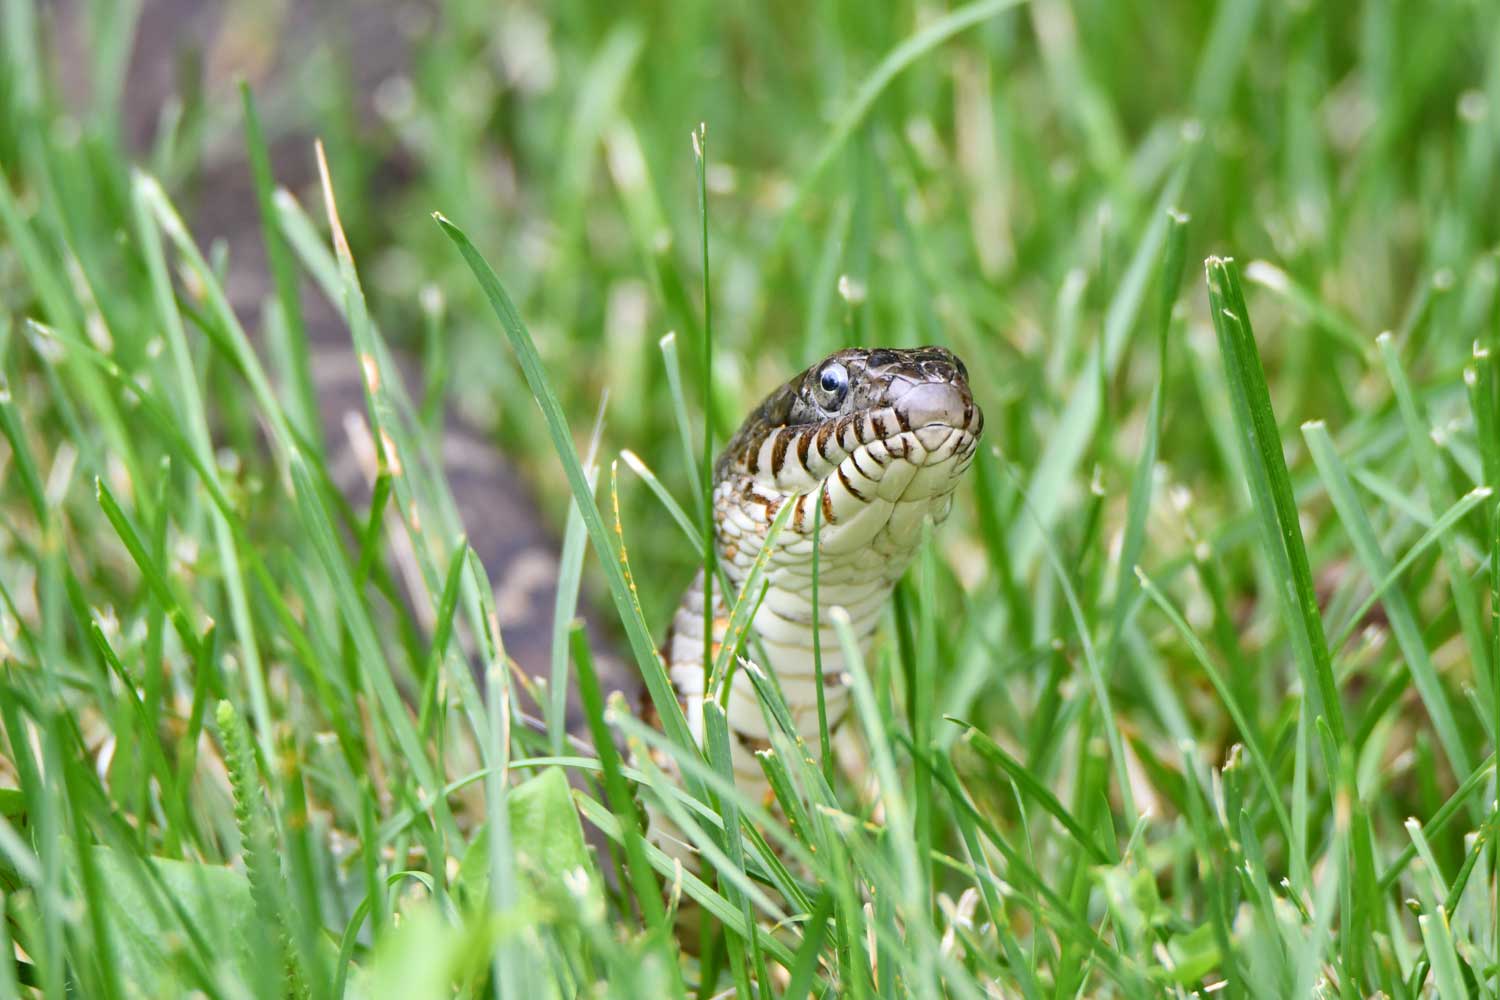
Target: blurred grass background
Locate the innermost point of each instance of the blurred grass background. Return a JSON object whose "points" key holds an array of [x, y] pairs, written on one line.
{"points": [[995, 177]]}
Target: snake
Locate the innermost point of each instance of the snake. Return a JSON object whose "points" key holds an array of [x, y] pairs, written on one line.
{"points": [[867, 446]]}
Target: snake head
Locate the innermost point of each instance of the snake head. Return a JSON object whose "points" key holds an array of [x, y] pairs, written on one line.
{"points": [[866, 419], [926, 389]]}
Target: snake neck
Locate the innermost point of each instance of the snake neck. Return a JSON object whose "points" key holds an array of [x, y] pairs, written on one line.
{"points": [[868, 521]]}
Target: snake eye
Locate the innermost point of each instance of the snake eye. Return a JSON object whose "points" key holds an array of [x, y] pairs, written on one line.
{"points": [[833, 385]]}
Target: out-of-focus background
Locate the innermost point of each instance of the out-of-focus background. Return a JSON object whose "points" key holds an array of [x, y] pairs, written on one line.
{"points": [[185, 516]]}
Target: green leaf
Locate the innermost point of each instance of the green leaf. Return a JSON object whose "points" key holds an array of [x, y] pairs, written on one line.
{"points": [[1194, 955], [148, 941], [426, 955], [551, 855]]}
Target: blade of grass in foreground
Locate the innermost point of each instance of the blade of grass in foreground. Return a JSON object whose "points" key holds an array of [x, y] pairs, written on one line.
{"points": [[668, 345], [565, 604], [743, 611], [512, 974], [768, 827], [703, 827], [647, 893], [147, 196], [716, 735], [657, 683], [634, 463], [706, 482], [692, 886], [1271, 490], [1473, 784], [899, 819], [800, 985], [10, 988], [1440, 950]]}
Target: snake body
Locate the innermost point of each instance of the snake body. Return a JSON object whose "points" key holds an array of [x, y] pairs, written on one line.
{"points": [[878, 439]]}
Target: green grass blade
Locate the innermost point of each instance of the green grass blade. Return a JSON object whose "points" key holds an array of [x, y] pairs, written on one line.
{"points": [[1242, 721], [1017, 772], [662, 696], [1139, 506], [1271, 489], [1440, 527], [647, 893], [150, 209], [565, 607], [716, 740], [1438, 937], [1435, 484], [636, 465], [1403, 619], [283, 273], [668, 345]]}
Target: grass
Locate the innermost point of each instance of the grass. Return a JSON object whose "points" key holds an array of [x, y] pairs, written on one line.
{"points": [[1197, 693]]}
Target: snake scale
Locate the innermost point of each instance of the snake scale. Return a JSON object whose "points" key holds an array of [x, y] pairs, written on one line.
{"points": [[873, 440]]}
